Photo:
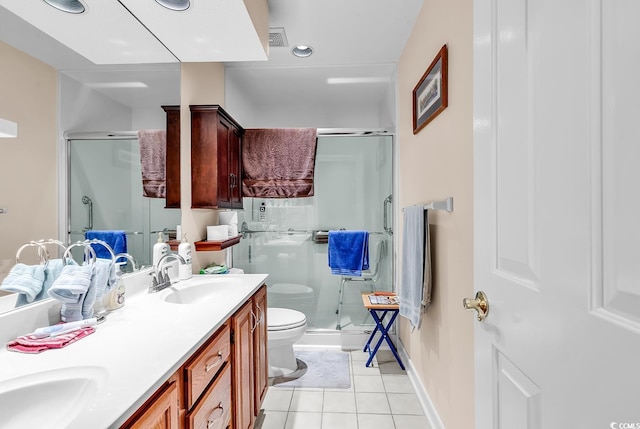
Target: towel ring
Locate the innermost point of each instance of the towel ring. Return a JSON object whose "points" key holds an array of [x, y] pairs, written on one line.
{"points": [[43, 254], [103, 244], [52, 241], [89, 253], [129, 257]]}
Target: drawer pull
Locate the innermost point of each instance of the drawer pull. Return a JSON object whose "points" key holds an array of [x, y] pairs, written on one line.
{"points": [[215, 364], [218, 421]]}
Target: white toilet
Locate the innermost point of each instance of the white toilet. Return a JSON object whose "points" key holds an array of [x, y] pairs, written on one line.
{"points": [[284, 327]]}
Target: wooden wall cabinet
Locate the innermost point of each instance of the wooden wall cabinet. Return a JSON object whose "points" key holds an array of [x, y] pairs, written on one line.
{"points": [[216, 158], [172, 160]]}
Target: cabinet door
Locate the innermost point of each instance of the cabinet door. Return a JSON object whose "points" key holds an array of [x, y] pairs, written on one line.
{"points": [[235, 168], [161, 412], [260, 368], [172, 199], [225, 133], [242, 392]]}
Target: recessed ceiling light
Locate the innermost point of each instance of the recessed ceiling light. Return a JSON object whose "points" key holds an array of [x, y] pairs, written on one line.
{"points": [[175, 4], [302, 51], [71, 6]]}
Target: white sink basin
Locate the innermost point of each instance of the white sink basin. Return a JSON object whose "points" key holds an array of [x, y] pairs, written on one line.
{"points": [[50, 398], [196, 291]]}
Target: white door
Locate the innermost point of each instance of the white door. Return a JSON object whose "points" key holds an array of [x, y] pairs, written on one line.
{"points": [[557, 213]]}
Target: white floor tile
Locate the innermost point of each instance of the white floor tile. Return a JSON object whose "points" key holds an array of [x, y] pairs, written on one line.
{"points": [[372, 403], [377, 421], [307, 400], [274, 420], [411, 422], [404, 403], [397, 383], [359, 356], [358, 368], [304, 421], [277, 400], [339, 402], [368, 383], [339, 421]]}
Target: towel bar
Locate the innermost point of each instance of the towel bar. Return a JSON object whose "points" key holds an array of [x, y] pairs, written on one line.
{"points": [[446, 204]]}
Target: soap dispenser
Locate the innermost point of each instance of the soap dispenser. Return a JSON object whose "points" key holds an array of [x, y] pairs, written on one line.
{"points": [[184, 249], [159, 249], [114, 299]]}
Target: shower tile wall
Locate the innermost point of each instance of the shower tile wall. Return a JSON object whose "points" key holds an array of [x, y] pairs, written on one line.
{"points": [[353, 176]]}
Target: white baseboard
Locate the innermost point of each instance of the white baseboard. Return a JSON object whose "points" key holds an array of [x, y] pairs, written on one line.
{"points": [[423, 396]]}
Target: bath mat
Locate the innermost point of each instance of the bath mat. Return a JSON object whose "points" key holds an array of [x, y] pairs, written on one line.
{"points": [[328, 370]]}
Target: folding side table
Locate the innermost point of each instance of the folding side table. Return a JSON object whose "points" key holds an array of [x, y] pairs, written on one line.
{"points": [[379, 313]]}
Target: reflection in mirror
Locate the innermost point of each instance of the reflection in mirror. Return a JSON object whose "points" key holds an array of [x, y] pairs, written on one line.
{"points": [[105, 194]]}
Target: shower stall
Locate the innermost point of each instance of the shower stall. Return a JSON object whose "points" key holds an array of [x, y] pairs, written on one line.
{"points": [[287, 238], [105, 192]]}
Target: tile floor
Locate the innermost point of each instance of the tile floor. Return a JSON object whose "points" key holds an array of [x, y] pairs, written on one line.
{"points": [[380, 397]]}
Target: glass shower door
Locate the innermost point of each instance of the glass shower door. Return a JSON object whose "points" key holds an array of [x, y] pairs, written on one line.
{"points": [[287, 238], [105, 193]]}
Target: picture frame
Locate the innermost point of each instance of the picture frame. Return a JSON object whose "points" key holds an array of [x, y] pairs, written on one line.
{"points": [[430, 95]]}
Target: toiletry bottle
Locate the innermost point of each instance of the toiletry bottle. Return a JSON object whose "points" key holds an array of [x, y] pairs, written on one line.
{"points": [[114, 299], [184, 249], [159, 249]]}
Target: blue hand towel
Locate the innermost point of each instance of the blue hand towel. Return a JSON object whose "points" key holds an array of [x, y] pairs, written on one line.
{"points": [[413, 260], [348, 252], [70, 288], [117, 240], [27, 280]]}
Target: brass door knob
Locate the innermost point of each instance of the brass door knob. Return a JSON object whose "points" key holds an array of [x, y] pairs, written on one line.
{"points": [[479, 304]]}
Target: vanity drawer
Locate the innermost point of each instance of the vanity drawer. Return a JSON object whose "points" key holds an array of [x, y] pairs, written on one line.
{"points": [[214, 410], [205, 364]]}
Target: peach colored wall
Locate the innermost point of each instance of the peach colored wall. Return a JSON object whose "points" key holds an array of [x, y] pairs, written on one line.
{"points": [[28, 169], [201, 83], [434, 164]]}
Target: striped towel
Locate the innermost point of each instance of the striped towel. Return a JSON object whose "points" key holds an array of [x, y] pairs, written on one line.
{"points": [[33, 344]]}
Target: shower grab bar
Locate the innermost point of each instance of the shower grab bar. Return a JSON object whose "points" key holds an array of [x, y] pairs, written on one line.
{"points": [[446, 204], [298, 231], [126, 232], [87, 200], [388, 201]]}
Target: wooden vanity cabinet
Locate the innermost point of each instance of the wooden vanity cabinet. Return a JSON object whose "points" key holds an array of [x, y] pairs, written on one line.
{"points": [[216, 158], [172, 157], [222, 385], [161, 411], [260, 367]]}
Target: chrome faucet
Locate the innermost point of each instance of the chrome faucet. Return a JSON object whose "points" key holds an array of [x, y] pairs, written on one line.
{"points": [[161, 278]]}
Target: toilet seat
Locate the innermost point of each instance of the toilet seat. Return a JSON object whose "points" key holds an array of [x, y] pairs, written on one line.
{"points": [[282, 319]]}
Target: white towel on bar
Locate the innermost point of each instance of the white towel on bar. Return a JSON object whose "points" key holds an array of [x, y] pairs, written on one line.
{"points": [[413, 260]]}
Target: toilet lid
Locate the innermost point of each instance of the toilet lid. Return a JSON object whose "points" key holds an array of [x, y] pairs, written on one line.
{"points": [[279, 319]]}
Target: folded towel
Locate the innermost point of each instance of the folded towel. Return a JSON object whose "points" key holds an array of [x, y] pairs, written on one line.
{"points": [[102, 280], [70, 288], [416, 220], [348, 252], [116, 239], [33, 344], [153, 149], [278, 163], [27, 280], [52, 270]]}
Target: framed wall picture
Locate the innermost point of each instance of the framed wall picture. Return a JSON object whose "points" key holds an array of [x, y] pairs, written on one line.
{"points": [[430, 94]]}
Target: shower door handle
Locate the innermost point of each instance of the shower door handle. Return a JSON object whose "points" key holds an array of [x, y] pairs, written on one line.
{"points": [[387, 201], [87, 201]]}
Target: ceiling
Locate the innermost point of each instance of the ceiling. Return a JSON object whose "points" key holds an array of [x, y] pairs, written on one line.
{"points": [[137, 41]]}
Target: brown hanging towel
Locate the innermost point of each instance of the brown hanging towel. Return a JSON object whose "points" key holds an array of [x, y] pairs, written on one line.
{"points": [[278, 162], [153, 148]]}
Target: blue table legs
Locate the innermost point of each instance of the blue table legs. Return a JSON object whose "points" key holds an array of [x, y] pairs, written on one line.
{"points": [[384, 335]]}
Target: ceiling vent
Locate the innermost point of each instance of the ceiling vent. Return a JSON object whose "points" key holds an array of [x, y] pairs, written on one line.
{"points": [[277, 38]]}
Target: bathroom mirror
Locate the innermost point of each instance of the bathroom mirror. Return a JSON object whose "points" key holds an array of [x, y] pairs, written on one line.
{"points": [[83, 98]]}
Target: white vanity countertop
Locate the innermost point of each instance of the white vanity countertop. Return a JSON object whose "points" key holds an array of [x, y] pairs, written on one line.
{"points": [[138, 347]]}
